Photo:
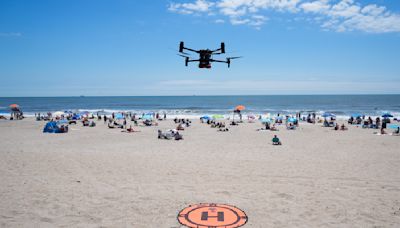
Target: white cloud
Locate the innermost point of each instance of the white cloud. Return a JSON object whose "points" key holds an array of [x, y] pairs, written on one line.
{"points": [[315, 6], [336, 15], [199, 6]]}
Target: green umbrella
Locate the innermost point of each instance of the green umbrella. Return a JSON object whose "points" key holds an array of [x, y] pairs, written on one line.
{"points": [[217, 116]]}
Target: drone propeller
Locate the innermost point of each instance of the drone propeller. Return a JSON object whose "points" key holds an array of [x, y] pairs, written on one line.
{"points": [[238, 57], [183, 56]]}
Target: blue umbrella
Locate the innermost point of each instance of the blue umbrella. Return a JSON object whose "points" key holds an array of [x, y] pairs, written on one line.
{"points": [[205, 117], [328, 114], [149, 114], [392, 126], [355, 115], [279, 117], [266, 120], [62, 121], [291, 119], [119, 116], [387, 115], [147, 117]]}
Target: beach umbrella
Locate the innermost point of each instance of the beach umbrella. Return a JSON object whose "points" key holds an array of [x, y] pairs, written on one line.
{"points": [[217, 116], [147, 117], [149, 114], [392, 126], [328, 114], [356, 115], [266, 120], [205, 117], [62, 121], [387, 115], [58, 113], [240, 107], [291, 119], [119, 116], [14, 107], [278, 117]]}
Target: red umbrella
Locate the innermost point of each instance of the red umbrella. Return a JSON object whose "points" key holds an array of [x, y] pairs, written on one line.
{"points": [[14, 106]]}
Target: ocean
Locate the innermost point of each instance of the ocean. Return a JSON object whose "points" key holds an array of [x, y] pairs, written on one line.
{"points": [[341, 105]]}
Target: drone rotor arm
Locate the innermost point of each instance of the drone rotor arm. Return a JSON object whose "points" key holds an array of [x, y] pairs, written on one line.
{"points": [[189, 49]]}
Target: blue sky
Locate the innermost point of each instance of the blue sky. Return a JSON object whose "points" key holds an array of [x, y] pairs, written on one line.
{"points": [[127, 47]]}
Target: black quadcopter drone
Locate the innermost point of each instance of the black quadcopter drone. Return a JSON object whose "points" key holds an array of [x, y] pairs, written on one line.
{"points": [[205, 56]]}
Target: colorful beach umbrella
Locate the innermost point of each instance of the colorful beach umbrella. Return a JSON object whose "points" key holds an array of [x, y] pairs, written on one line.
{"points": [[205, 117], [393, 126], [14, 106], [58, 113], [328, 114], [147, 117], [356, 115], [291, 119], [240, 107], [217, 116], [266, 120], [119, 116], [387, 115], [60, 122]]}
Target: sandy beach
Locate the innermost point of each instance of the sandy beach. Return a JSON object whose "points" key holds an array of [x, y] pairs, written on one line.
{"points": [[100, 177]]}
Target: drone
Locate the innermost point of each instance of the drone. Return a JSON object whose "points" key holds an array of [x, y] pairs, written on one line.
{"points": [[205, 56]]}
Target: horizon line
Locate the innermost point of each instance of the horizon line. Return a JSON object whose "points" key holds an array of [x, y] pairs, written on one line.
{"points": [[220, 95]]}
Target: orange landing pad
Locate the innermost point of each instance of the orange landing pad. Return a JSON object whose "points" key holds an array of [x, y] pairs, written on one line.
{"points": [[211, 215]]}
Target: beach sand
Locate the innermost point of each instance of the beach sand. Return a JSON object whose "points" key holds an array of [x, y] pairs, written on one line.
{"points": [[100, 177]]}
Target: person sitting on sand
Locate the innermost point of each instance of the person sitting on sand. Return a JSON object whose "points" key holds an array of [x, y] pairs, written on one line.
{"points": [[180, 127], [343, 128], [130, 130], [178, 136], [336, 127], [276, 141], [233, 123], [110, 126], [273, 128], [92, 124]]}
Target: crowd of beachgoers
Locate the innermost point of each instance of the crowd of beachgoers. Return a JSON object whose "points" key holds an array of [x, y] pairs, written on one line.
{"points": [[59, 122], [296, 167]]}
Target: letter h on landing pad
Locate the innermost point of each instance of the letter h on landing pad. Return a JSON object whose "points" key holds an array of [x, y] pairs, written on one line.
{"points": [[205, 216]]}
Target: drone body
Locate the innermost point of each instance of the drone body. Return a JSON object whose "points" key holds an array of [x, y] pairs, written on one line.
{"points": [[205, 56]]}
